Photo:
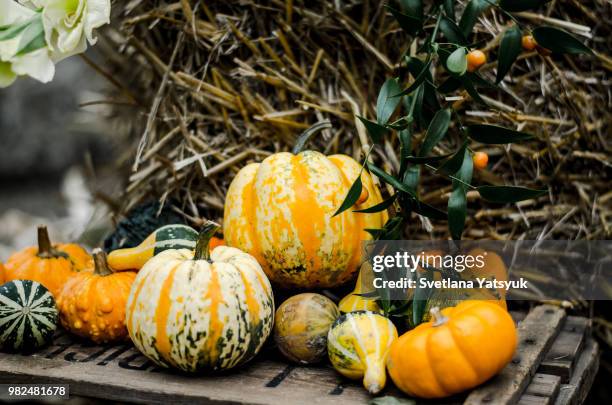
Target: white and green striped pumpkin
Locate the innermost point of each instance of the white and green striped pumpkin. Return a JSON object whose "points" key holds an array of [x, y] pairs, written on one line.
{"points": [[200, 311], [28, 316], [175, 236]]}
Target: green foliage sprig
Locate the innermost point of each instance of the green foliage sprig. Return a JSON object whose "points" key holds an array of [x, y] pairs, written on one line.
{"points": [[445, 45]]}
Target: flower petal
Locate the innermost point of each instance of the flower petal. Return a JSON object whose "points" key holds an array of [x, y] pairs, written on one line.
{"points": [[97, 14], [36, 64]]}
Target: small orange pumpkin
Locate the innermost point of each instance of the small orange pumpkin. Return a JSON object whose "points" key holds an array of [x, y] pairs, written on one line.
{"points": [[2, 271], [460, 348], [50, 265], [92, 303]]}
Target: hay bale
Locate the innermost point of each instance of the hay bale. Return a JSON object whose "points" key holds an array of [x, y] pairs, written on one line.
{"points": [[213, 85]]}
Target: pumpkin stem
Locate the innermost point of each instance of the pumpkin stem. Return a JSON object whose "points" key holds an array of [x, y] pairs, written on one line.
{"points": [[101, 267], [45, 249], [308, 133], [202, 251], [436, 317]]}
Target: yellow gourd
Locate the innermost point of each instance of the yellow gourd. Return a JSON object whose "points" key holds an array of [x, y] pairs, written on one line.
{"points": [[355, 302], [358, 345]]}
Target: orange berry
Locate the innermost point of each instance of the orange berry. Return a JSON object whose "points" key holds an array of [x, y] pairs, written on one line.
{"points": [[528, 42], [480, 160], [475, 59]]}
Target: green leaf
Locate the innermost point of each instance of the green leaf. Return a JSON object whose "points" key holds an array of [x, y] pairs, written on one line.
{"points": [[426, 159], [453, 164], [419, 94], [391, 231], [457, 61], [33, 38], [387, 103], [308, 133], [378, 207], [468, 85], [436, 131], [418, 80], [400, 123], [508, 194], [495, 135], [405, 138], [450, 85], [421, 295], [13, 30], [457, 202], [351, 197], [470, 15], [559, 41], [413, 8], [521, 5], [479, 81], [509, 50], [387, 178], [428, 211], [452, 32], [449, 9], [374, 232], [411, 178], [376, 131], [409, 24]]}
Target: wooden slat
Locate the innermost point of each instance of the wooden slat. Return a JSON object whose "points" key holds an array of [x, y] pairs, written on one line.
{"points": [[536, 334], [544, 385], [561, 358], [121, 373], [586, 368], [542, 389], [534, 400]]}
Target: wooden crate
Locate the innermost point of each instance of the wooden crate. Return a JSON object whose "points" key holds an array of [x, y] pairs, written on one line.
{"points": [[556, 363]]}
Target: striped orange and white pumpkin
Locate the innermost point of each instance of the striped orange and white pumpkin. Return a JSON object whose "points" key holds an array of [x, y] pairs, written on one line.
{"points": [[200, 311], [281, 212]]}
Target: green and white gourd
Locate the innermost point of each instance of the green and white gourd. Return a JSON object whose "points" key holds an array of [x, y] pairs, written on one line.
{"points": [[28, 316], [175, 236]]}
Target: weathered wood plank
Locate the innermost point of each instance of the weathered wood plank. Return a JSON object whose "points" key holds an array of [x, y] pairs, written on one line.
{"points": [[534, 400], [121, 373], [536, 334], [544, 385], [561, 358], [584, 374]]}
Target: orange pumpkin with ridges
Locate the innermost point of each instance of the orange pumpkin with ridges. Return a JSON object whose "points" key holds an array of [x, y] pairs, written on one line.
{"points": [[49, 264], [460, 348], [92, 303], [281, 212]]}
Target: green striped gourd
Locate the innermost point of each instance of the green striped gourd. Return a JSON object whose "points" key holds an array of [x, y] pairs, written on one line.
{"points": [[28, 316], [174, 236]]}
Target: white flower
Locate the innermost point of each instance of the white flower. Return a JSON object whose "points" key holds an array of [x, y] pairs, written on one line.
{"points": [[69, 24], [43, 32], [14, 60]]}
